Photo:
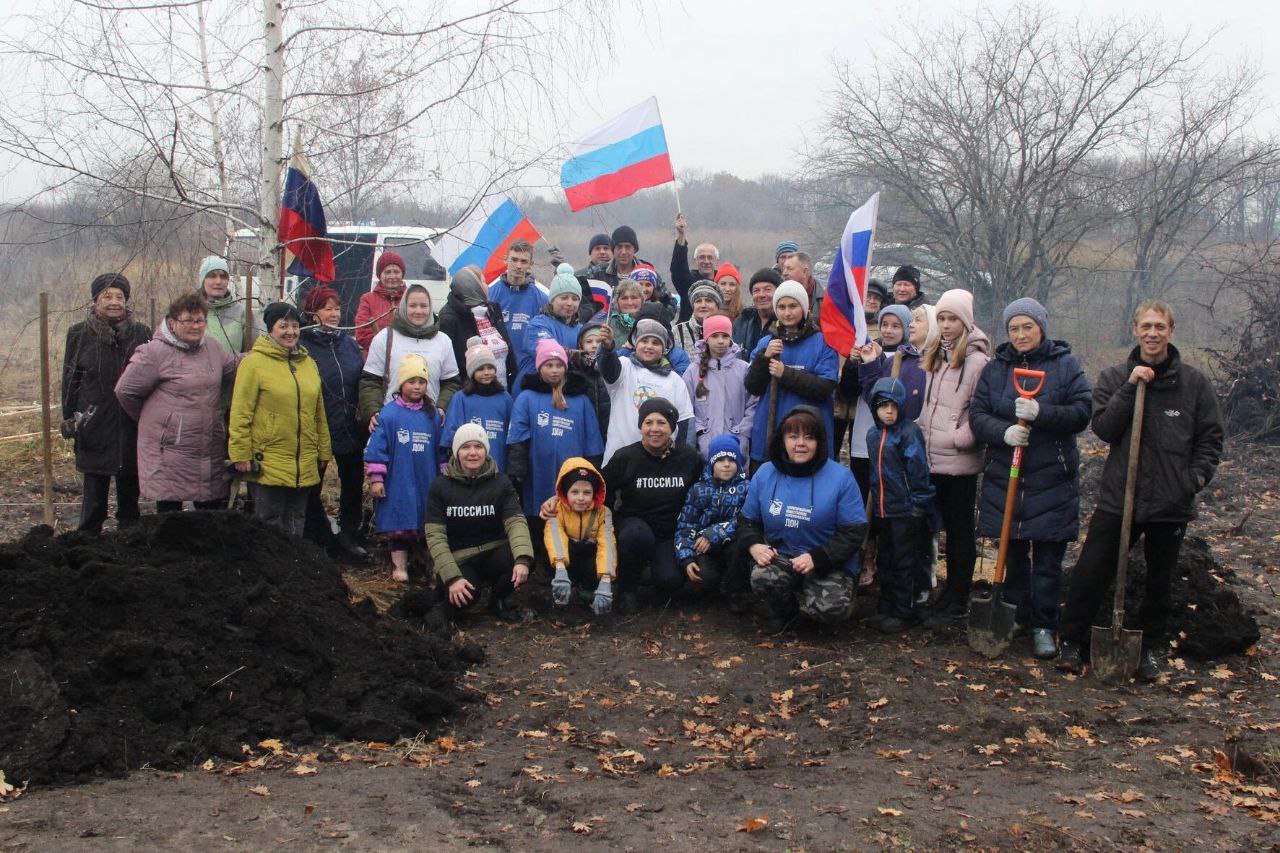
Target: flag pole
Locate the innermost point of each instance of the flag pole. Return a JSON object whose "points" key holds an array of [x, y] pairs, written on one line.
{"points": [[675, 185]]}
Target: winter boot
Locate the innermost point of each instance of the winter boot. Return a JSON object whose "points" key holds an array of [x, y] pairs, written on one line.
{"points": [[1150, 665], [349, 548], [1070, 658], [499, 608], [1043, 644]]}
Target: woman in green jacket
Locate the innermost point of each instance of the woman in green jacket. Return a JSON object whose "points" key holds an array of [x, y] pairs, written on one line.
{"points": [[278, 436]]}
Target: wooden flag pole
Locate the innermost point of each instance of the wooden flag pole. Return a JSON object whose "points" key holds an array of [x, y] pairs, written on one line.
{"points": [[675, 185]]}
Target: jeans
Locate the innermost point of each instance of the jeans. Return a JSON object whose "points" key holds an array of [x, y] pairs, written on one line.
{"points": [[1096, 568], [93, 501], [1033, 580], [281, 506], [637, 547]]}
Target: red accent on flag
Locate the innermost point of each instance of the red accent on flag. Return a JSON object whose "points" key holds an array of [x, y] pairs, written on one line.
{"points": [[620, 184], [497, 264]]}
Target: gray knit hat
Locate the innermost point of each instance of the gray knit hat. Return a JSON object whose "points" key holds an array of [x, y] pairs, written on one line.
{"points": [[706, 288], [647, 328], [1028, 307]]}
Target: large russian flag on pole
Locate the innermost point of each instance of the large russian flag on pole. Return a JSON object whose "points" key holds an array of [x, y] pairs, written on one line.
{"points": [[622, 156], [483, 235], [303, 227], [843, 320]]}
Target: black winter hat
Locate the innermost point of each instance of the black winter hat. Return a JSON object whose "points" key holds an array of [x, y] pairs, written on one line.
{"points": [[109, 279], [908, 273], [874, 286], [599, 240], [625, 234], [768, 274], [661, 406], [277, 311]]}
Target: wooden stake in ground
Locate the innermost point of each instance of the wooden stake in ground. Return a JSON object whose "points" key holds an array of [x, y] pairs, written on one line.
{"points": [[46, 422], [246, 338]]}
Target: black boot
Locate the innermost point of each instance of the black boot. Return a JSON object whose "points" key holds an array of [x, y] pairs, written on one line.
{"points": [[1070, 658], [739, 603], [1150, 665], [499, 608], [627, 604], [779, 618], [349, 548]]}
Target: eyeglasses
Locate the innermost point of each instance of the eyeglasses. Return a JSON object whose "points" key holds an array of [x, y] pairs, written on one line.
{"points": [[192, 321]]}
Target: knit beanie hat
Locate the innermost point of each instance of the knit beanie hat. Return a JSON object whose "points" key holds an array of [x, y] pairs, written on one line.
{"points": [[907, 272], [109, 279], [727, 269], [478, 355], [386, 259], [470, 432], [549, 348], [599, 240], [765, 274], [725, 445], [874, 286], [647, 328], [625, 234], [661, 406], [716, 323], [708, 289], [1028, 307], [565, 282], [581, 474], [786, 246], [960, 303], [277, 311], [902, 312], [591, 328], [796, 291], [318, 297], [645, 274], [412, 366], [211, 264]]}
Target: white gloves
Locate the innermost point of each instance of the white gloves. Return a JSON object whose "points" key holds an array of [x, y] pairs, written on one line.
{"points": [[1026, 409], [561, 587], [1017, 436], [603, 602]]}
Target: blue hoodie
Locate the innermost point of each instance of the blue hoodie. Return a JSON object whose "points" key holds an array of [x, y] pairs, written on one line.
{"points": [[545, 325], [899, 486], [519, 305], [491, 411], [711, 507]]}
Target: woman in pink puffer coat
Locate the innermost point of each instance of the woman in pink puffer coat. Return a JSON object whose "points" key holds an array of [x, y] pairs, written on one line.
{"points": [[172, 387], [952, 363]]}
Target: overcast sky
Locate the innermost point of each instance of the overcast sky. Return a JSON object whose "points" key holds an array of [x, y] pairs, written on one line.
{"points": [[738, 83]]}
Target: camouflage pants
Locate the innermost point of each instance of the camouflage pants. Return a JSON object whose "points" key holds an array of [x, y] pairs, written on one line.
{"points": [[824, 598]]}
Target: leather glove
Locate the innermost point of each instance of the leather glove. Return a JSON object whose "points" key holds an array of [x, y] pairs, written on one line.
{"points": [[603, 602], [1026, 409], [1017, 436], [68, 428], [561, 587], [554, 253]]}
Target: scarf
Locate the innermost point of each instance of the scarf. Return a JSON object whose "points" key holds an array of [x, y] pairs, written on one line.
{"points": [[110, 333], [400, 322], [485, 329], [662, 366]]}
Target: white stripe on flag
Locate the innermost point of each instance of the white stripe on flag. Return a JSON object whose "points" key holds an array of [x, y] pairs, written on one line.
{"points": [[640, 117]]}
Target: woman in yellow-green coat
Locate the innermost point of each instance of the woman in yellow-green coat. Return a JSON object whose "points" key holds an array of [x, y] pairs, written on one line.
{"points": [[278, 435]]}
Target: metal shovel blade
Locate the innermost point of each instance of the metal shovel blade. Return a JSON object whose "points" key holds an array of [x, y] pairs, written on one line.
{"points": [[991, 622], [1115, 653]]}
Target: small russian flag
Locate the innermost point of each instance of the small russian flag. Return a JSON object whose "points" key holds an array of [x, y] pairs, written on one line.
{"points": [[303, 227], [622, 156], [842, 317], [601, 293], [483, 235]]}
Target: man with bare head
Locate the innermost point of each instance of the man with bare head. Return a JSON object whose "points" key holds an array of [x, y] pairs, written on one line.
{"points": [[706, 259]]}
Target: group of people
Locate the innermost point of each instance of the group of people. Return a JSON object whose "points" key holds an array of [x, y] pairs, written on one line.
{"points": [[683, 440]]}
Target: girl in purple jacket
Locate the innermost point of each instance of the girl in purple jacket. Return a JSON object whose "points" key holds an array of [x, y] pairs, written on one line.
{"points": [[721, 403]]}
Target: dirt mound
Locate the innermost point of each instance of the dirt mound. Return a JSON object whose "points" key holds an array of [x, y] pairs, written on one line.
{"points": [[188, 636], [1207, 618]]}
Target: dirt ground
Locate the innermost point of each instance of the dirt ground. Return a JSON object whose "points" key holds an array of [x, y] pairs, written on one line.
{"points": [[686, 727]]}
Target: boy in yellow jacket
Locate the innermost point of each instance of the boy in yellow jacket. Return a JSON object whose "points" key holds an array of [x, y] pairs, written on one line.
{"points": [[580, 536]]}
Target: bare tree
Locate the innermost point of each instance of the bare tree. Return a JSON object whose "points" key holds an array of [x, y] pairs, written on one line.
{"points": [[982, 132]]}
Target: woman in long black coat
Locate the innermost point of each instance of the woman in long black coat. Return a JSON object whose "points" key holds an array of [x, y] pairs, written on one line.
{"points": [[468, 304]]}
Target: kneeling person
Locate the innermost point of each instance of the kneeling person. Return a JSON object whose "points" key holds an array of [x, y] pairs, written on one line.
{"points": [[579, 537]]}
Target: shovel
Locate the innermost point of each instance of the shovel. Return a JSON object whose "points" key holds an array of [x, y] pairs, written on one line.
{"points": [[1116, 651], [991, 619]]}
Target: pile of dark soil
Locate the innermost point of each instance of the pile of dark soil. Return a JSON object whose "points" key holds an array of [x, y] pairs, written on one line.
{"points": [[189, 635], [1207, 618]]}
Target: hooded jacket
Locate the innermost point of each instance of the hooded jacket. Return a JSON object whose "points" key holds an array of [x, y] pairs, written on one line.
{"points": [[457, 321], [711, 510], [748, 329], [389, 348], [944, 418], [652, 488], [1048, 501], [813, 508], [545, 325], [1181, 438], [899, 484], [809, 379], [463, 514], [490, 408], [278, 417], [541, 437], [337, 357], [401, 454], [95, 355], [519, 305], [909, 374], [374, 313], [596, 389], [173, 390], [226, 322], [728, 408], [569, 526]]}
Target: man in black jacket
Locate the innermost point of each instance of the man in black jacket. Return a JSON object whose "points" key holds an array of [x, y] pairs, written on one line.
{"points": [[751, 324], [1181, 445], [906, 287], [705, 255]]}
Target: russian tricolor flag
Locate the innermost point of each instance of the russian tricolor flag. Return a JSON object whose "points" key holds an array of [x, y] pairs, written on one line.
{"points": [[622, 156], [843, 320], [483, 235], [303, 227]]}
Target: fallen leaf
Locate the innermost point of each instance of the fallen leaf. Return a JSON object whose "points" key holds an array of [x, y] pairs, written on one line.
{"points": [[207, 766], [708, 700], [272, 744], [260, 790], [7, 791], [551, 665], [1132, 813], [889, 812], [581, 828], [305, 770], [877, 703], [533, 733], [754, 824], [473, 783]]}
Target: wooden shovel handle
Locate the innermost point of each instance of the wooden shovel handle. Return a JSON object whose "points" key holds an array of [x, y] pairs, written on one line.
{"points": [[1010, 499], [1126, 521]]}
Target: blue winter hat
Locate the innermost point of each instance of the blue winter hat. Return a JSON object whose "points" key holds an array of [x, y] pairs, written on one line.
{"points": [[210, 264], [902, 312], [1028, 307], [565, 282], [725, 445], [786, 246]]}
